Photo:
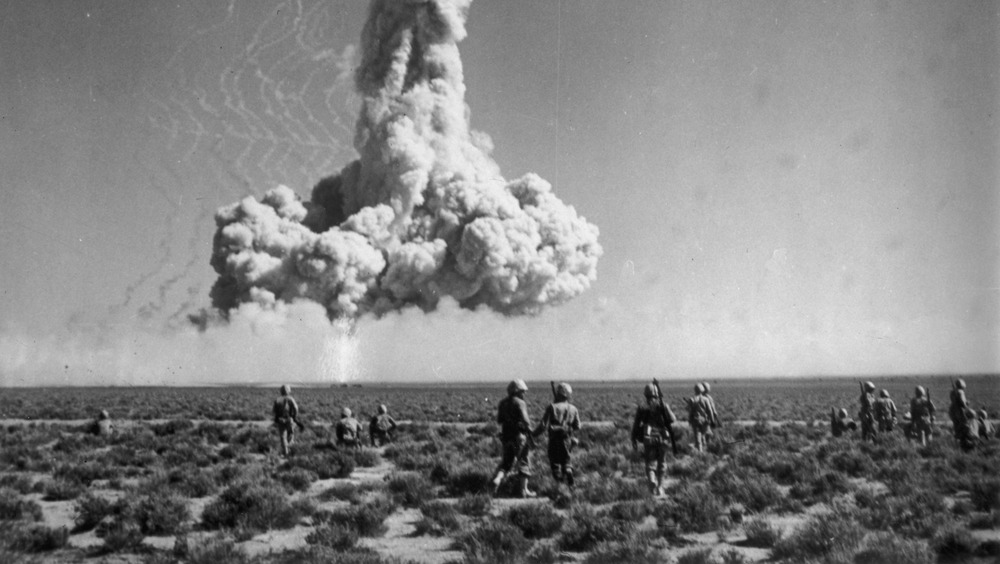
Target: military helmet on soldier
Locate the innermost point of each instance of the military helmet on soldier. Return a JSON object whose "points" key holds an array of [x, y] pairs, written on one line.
{"points": [[516, 386], [285, 390], [382, 409], [564, 390], [842, 413], [884, 393], [707, 386], [960, 384], [346, 412], [104, 414], [699, 388], [920, 391], [869, 386], [650, 391], [982, 414]]}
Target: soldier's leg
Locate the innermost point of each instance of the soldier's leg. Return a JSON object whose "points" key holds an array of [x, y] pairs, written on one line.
{"points": [[523, 467], [649, 455], [661, 466], [283, 438], [506, 461], [568, 475]]}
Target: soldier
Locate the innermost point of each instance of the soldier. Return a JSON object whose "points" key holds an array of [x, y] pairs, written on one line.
{"points": [[515, 438], [711, 403], [348, 430], [885, 412], [840, 422], [971, 430], [867, 412], [381, 427], [701, 416], [986, 430], [921, 416], [561, 419], [286, 416], [652, 427], [957, 409], [103, 426]]}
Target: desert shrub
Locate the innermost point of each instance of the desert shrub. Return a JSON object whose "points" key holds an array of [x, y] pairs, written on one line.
{"points": [[297, 479], [493, 541], [761, 533], [753, 490], [439, 519], [695, 468], [172, 427], [251, 506], [835, 535], [368, 519], [636, 550], [366, 458], [333, 464], [733, 556], [854, 463], [536, 520], [62, 490], [985, 494], [690, 508], [633, 511], [954, 543], [918, 514], [889, 548], [334, 535], [409, 489], [161, 513], [822, 488], [468, 480], [696, 556], [474, 505], [191, 481], [317, 554], [119, 534], [17, 482], [599, 491], [989, 520], [90, 510], [585, 528], [344, 492], [37, 538], [12, 506]]}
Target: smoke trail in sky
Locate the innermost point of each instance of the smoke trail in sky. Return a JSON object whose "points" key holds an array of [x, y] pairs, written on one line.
{"points": [[422, 214]]}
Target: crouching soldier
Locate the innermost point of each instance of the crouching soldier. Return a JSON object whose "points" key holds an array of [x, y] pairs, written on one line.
{"points": [[840, 422], [381, 426], [286, 417], [970, 433], [103, 427], [921, 416], [515, 439], [651, 427], [561, 420], [348, 430], [986, 430], [885, 412]]}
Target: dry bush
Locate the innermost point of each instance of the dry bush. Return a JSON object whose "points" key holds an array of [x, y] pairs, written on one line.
{"points": [[409, 489], [890, 548], [585, 528], [252, 506], [13, 507], [368, 519], [474, 505], [761, 533], [439, 518], [689, 508], [745, 486], [493, 541], [833, 536], [334, 535], [91, 510], [638, 549], [536, 520], [34, 538]]}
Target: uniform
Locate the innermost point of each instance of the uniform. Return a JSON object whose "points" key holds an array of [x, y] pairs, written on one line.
{"points": [[561, 419], [348, 430], [651, 427], [986, 430], [381, 426], [970, 431], [885, 412], [103, 426], [840, 423], [701, 416], [921, 416], [957, 409], [867, 412], [286, 413], [515, 439]]}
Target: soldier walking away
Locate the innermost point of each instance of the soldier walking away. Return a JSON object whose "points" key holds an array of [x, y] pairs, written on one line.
{"points": [[286, 417], [867, 412], [561, 419], [840, 422], [651, 427], [701, 416], [102, 426], [711, 404], [957, 409], [885, 412], [921, 416], [986, 430], [381, 426], [348, 430], [515, 439]]}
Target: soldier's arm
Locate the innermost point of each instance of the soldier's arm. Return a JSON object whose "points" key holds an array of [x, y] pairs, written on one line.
{"points": [[637, 425], [544, 423], [392, 422], [574, 422], [522, 407]]}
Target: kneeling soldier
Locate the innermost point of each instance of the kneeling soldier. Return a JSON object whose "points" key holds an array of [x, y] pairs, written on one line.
{"points": [[381, 426], [561, 419], [348, 430]]}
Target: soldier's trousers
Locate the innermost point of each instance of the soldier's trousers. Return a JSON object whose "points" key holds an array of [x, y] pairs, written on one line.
{"points": [[286, 434], [559, 461], [654, 453], [515, 456]]}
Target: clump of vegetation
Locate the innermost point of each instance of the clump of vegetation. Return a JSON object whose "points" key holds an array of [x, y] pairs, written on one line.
{"points": [[297, 479], [255, 507], [745, 486], [367, 519], [536, 520], [954, 543], [214, 550], [12, 506], [761, 533], [985, 494], [889, 548], [62, 490], [585, 528], [35, 538], [632, 511], [409, 488], [494, 540], [638, 549], [474, 505], [90, 510], [439, 519], [333, 464], [334, 535], [696, 556], [690, 508], [834, 537]]}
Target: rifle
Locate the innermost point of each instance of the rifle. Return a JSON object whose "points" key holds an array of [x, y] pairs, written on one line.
{"points": [[666, 419], [553, 385]]}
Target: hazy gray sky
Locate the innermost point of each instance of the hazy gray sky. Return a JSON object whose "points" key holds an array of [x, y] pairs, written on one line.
{"points": [[782, 188]]}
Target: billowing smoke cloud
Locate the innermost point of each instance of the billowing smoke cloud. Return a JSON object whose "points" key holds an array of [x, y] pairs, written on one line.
{"points": [[422, 214]]}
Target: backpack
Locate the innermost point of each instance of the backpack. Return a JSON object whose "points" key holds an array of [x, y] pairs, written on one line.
{"points": [[381, 424], [283, 410]]}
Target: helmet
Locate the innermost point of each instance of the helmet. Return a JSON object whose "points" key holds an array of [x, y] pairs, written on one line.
{"points": [[919, 391], [346, 412], [285, 390], [383, 409], [982, 414], [699, 388], [650, 391], [960, 384], [707, 386], [104, 414], [515, 386], [842, 413], [564, 390], [869, 386], [884, 393]]}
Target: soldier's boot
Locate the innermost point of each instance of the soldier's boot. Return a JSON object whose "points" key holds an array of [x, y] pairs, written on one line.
{"points": [[651, 481], [569, 477], [523, 491], [659, 486], [497, 480]]}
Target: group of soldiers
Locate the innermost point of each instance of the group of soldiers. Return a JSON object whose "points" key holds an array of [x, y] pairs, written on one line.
{"points": [[652, 427], [348, 430], [878, 416]]}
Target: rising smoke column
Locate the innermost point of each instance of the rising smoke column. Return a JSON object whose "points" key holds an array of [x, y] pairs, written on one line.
{"points": [[423, 212]]}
